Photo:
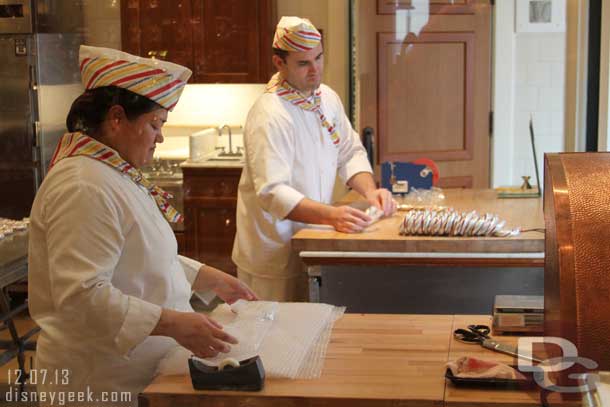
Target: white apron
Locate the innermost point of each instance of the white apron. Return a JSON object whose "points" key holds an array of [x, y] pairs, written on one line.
{"points": [[102, 263], [289, 156]]}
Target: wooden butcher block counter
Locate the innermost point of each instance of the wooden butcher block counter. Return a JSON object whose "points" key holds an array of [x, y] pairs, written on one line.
{"points": [[426, 274], [383, 236], [372, 360]]}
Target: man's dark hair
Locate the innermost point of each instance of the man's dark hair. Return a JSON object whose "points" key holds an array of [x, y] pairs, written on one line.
{"points": [[89, 110], [280, 53]]}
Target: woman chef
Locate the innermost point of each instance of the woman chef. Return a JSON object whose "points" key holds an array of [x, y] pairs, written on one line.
{"points": [[106, 284]]}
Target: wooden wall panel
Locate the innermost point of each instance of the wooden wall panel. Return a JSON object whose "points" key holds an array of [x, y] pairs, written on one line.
{"points": [[455, 182], [436, 6], [425, 96]]}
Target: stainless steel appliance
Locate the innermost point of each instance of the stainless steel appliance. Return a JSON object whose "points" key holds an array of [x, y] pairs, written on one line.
{"points": [[166, 174], [39, 79]]}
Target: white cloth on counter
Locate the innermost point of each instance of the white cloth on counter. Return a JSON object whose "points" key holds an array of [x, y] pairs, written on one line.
{"points": [[289, 156], [290, 338], [103, 262]]}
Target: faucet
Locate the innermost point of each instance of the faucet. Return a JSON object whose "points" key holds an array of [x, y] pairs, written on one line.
{"points": [[230, 153]]}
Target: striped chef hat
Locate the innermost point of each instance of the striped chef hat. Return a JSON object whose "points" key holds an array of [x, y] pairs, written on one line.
{"points": [[159, 81], [296, 34]]}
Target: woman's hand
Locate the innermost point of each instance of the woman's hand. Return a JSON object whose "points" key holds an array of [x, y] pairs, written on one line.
{"points": [[227, 287], [198, 333]]}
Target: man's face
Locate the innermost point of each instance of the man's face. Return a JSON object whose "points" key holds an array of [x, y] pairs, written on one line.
{"points": [[303, 70]]}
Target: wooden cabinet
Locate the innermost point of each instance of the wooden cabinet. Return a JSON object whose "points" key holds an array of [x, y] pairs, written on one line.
{"points": [[210, 199], [219, 40]]}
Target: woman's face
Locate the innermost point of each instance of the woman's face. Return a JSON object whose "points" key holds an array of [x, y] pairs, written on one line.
{"points": [[138, 138]]}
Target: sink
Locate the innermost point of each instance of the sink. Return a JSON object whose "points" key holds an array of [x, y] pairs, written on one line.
{"points": [[217, 159], [225, 159]]}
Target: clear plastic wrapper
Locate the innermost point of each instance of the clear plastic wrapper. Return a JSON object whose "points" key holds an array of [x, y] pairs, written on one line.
{"points": [[294, 336], [422, 197], [249, 322], [374, 212]]}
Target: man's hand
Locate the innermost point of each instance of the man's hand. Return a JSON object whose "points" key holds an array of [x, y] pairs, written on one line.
{"points": [[382, 198], [349, 220], [198, 333]]}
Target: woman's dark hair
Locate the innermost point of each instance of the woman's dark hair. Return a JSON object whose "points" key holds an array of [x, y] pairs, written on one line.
{"points": [[89, 110]]}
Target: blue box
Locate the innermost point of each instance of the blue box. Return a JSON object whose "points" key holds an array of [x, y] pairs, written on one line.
{"points": [[415, 175]]}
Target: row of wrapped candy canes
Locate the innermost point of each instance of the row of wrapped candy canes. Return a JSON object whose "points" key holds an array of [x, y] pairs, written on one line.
{"points": [[449, 222]]}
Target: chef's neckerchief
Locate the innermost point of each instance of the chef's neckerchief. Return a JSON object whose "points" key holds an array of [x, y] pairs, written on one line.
{"points": [[286, 91], [79, 144]]}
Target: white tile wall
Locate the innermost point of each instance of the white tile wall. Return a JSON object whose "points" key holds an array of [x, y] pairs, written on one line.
{"points": [[526, 97], [539, 74], [539, 93], [551, 47], [204, 106], [557, 74]]}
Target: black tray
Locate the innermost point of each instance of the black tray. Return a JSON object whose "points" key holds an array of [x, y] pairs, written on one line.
{"points": [[528, 382]]}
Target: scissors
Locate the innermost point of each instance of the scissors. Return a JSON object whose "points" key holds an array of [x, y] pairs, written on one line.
{"points": [[480, 334]]}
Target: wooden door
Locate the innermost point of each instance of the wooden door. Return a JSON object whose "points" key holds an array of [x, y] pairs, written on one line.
{"points": [[427, 94]]}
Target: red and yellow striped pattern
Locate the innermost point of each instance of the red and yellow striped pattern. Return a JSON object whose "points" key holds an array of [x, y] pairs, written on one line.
{"points": [[157, 80], [286, 91], [296, 35], [153, 83], [75, 144]]}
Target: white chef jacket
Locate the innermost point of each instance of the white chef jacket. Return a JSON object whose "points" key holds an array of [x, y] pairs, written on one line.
{"points": [[289, 156], [102, 263]]}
